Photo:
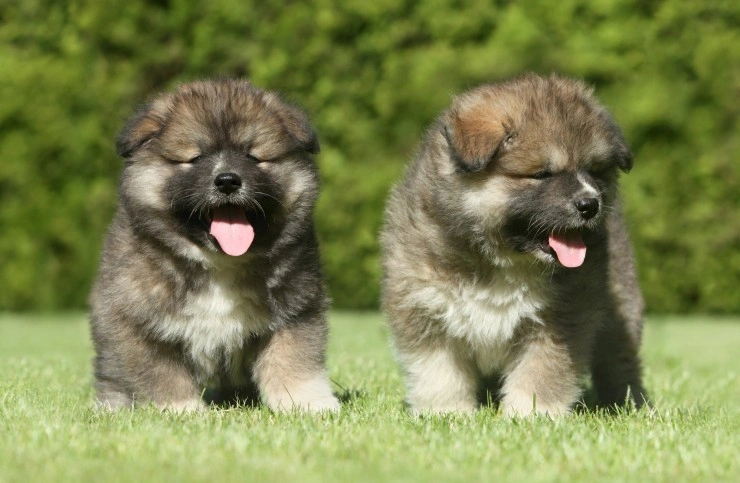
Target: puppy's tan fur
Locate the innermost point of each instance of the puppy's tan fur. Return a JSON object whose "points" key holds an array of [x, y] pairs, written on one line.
{"points": [[475, 299]]}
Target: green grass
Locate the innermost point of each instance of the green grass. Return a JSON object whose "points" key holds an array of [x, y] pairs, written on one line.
{"points": [[50, 433]]}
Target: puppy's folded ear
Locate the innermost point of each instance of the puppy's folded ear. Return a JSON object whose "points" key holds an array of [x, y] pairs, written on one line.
{"points": [[623, 157], [474, 139], [299, 127], [142, 126]]}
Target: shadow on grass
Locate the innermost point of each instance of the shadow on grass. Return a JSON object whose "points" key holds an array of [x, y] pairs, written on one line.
{"points": [[229, 398], [347, 394]]}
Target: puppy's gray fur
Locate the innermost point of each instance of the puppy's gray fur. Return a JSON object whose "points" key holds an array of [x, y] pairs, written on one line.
{"points": [[171, 313], [475, 296]]}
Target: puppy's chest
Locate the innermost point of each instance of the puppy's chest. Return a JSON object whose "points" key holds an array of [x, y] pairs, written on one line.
{"points": [[487, 313], [215, 321]]}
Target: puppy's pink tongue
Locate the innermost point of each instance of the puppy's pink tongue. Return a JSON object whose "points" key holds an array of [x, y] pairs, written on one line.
{"points": [[569, 248], [232, 230]]}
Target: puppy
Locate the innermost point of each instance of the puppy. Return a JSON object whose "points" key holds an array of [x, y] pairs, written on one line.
{"points": [[209, 277], [507, 267]]}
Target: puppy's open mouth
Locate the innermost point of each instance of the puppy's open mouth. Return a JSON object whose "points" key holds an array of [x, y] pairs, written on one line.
{"points": [[567, 247], [230, 230]]}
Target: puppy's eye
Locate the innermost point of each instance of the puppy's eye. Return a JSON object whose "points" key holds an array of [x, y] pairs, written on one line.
{"points": [[254, 158], [195, 159], [598, 170], [509, 139], [544, 174]]}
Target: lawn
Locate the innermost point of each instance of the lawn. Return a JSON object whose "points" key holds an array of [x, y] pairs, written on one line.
{"points": [[50, 433]]}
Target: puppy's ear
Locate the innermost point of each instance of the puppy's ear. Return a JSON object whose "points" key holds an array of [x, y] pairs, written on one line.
{"points": [[621, 154], [474, 139], [623, 157], [299, 127], [142, 126]]}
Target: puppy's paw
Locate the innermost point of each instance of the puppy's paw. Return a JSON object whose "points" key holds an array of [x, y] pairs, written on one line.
{"points": [[313, 396], [324, 405], [185, 406], [111, 401], [526, 405]]}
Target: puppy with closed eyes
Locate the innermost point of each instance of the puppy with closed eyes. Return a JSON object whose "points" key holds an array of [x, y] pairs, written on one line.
{"points": [[210, 277], [507, 266]]}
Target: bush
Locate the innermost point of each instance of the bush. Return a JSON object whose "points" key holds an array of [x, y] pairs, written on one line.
{"points": [[373, 75]]}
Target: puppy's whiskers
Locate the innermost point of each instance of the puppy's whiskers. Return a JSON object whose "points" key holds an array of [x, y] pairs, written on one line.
{"points": [[190, 194], [260, 193], [199, 208], [255, 204], [540, 228]]}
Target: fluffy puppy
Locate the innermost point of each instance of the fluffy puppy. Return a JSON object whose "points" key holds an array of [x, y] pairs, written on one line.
{"points": [[507, 267], [210, 277]]}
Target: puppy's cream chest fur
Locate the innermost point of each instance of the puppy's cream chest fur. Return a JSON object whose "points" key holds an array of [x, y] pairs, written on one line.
{"points": [[485, 313], [214, 322]]}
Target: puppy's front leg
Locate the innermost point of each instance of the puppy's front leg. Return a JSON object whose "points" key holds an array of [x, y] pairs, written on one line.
{"points": [[290, 369], [440, 379], [145, 372], [616, 367], [543, 379]]}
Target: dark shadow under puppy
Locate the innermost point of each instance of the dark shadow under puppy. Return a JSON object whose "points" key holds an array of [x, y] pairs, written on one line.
{"points": [[230, 397]]}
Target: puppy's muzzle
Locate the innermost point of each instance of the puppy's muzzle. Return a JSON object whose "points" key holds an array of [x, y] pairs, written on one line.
{"points": [[227, 183], [587, 207]]}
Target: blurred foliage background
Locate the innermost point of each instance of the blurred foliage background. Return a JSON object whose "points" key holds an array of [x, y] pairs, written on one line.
{"points": [[373, 75]]}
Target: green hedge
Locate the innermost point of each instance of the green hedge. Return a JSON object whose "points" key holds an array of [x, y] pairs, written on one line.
{"points": [[373, 75]]}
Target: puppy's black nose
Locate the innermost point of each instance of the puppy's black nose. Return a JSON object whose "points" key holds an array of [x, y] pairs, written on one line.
{"points": [[227, 183], [588, 207]]}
